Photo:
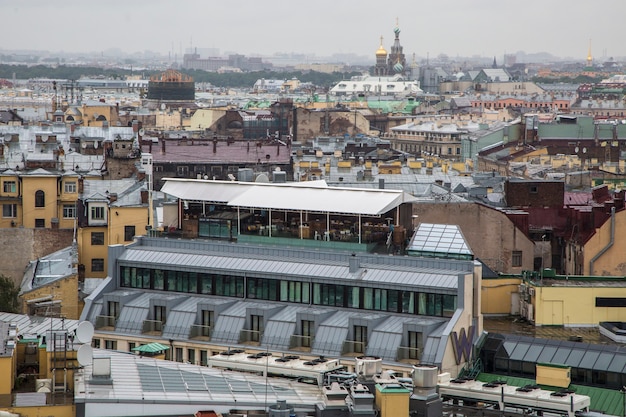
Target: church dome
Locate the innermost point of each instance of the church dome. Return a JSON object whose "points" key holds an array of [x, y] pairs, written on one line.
{"points": [[398, 67], [381, 51]]}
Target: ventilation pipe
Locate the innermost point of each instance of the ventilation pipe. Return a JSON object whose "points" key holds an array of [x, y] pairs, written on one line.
{"points": [[608, 246]]}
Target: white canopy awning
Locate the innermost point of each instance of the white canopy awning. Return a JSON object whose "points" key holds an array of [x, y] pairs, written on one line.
{"points": [[313, 196]]}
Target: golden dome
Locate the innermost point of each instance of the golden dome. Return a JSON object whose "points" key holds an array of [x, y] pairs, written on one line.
{"points": [[381, 51]]}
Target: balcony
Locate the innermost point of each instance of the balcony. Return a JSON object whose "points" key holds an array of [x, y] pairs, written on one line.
{"points": [[301, 343], [200, 332], [408, 354], [152, 327], [105, 322], [250, 337], [353, 348]]}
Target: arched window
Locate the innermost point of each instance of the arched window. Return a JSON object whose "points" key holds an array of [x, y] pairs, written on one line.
{"points": [[40, 198]]}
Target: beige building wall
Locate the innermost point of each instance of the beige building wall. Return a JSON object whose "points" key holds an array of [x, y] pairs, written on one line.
{"points": [[604, 252], [498, 296], [491, 236], [333, 123], [206, 119], [122, 217], [65, 289], [30, 186], [91, 247], [575, 305]]}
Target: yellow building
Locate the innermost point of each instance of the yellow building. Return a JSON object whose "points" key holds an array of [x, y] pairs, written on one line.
{"points": [[38, 198], [94, 113], [33, 363], [392, 400], [51, 286], [110, 213]]}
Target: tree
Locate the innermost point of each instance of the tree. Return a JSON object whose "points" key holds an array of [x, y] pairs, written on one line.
{"points": [[8, 295]]}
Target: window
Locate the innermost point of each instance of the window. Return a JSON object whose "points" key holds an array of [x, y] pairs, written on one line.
{"points": [[204, 358], [97, 213], [160, 314], [129, 233], [191, 356], [110, 344], [207, 318], [97, 265], [516, 258], [69, 211], [131, 346], [360, 339], [9, 186], [40, 223], [182, 171], [256, 327], [114, 308], [415, 344], [95, 343], [9, 210], [70, 187], [534, 189], [40, 198], [179, 354], [97, 238], [308, 330]]}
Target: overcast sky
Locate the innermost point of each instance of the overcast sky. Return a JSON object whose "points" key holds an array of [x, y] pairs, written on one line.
{"points": [[319, 27]]}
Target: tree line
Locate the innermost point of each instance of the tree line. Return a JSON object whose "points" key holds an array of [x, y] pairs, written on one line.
{"points": [[226, 80]]}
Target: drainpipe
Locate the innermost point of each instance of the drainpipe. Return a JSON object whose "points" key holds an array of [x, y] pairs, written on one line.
{"points": [[611, 240]]}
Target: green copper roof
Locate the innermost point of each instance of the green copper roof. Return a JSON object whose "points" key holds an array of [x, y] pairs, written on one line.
{"points": [[151, 348]]}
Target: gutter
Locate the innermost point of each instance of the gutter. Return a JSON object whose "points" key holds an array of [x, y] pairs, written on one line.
{"points": [[606, 248]]}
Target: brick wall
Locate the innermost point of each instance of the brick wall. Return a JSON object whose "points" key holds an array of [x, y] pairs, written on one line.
{"points": [[22, 245]]}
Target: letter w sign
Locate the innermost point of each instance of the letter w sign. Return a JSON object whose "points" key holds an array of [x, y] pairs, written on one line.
{"points": [[462, 344]]}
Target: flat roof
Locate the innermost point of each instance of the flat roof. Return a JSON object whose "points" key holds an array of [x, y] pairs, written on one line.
{"points": [[314, 197]]}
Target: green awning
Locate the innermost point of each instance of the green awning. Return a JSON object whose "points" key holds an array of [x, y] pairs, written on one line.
{"points": [[151, 348]]}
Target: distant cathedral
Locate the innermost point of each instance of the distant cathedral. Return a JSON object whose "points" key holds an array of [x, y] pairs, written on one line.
{"points": [[394, 62]]}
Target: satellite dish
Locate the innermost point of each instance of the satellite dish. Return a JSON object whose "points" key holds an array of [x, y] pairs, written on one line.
{"points": [[83, 145], [163, 106], [142, 131], [44, 138], [584, 150], [84, 332], [85, 355], [576, 149], [95, 144]]}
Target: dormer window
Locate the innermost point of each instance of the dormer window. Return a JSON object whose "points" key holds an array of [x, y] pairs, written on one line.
{"points": [[97, 214]]}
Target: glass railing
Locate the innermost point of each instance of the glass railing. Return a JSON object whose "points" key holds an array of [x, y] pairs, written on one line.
{"points": [[105, 321], [200, 331], [152, 326]]}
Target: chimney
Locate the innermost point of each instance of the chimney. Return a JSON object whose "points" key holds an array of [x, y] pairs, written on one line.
{"points": [[135, 125], [163, 146], [381, 183], [81, 185], [144, 196], [141, 175], [72, 128], [112, 197], [353, 263], [214, 145]]}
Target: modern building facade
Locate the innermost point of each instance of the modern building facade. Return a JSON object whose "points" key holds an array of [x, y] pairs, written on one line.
{"points": [[289, 294]]}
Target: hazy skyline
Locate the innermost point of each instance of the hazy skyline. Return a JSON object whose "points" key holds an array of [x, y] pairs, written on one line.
{"points": [[321, 28]]}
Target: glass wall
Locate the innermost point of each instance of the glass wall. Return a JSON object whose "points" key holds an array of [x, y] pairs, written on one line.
{"points": [[332, 295]]}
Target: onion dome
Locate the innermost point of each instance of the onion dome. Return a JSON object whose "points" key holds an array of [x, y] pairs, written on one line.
{"points": [[381, 51]]}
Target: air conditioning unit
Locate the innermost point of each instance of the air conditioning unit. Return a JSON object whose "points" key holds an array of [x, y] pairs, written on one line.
{"points": [[531, 291]]}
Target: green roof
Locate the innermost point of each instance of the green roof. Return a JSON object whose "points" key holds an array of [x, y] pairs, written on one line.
{"points": [[151, 348], [607, 401]]}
